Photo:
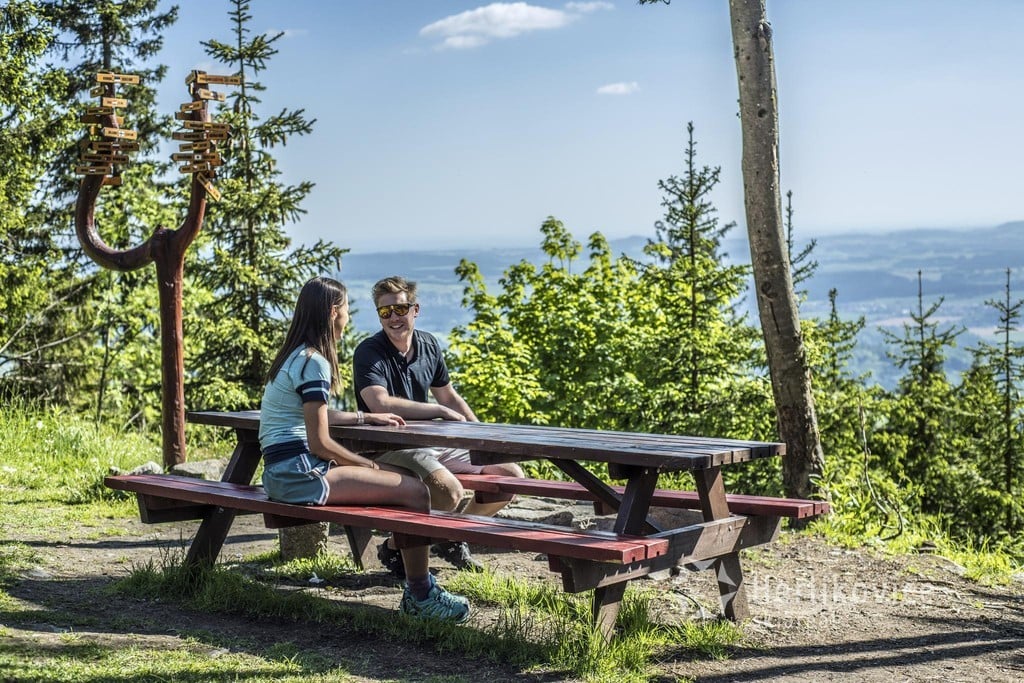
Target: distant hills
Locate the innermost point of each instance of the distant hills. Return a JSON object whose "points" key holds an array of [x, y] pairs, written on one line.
{"points": [[875, 275]]}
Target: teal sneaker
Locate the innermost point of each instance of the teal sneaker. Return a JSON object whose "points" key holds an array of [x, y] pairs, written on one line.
{"points": [[439, 605]]}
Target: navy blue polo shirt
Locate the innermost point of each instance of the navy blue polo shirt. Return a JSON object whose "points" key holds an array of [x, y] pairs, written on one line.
{"points": [[378, 363]]}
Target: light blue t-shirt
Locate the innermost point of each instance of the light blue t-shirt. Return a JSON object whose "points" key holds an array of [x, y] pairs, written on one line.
{"points": [[305, 376]]}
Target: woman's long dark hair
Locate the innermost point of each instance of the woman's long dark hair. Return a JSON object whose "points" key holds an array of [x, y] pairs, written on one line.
{"points": [[311, 325]]}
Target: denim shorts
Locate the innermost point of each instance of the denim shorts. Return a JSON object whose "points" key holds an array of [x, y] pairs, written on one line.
{"points": [[299, 480]]}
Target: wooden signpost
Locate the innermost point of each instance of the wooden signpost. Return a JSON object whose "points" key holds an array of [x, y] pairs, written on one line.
{"points": [[104, 152]]}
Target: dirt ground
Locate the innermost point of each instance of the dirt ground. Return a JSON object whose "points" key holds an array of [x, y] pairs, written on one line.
{"points": [[819, 613]]}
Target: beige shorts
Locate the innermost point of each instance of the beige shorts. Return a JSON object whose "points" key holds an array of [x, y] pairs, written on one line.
{"points": [[425, 461]]}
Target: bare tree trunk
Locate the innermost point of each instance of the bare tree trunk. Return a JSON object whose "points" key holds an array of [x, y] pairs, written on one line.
{"points": [[776, 301]]}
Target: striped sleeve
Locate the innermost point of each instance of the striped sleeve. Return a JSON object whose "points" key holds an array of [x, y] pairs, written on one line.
{"points": [[316, 390]]}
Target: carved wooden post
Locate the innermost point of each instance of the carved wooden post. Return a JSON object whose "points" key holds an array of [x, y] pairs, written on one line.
{"points": [[106, 149]]}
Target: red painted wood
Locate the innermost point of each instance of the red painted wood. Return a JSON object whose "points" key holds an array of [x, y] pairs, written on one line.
{"points": [[738, 504], [493, 532]]}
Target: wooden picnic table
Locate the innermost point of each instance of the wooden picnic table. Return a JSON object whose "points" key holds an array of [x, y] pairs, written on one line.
{"points": [[637, 458]]}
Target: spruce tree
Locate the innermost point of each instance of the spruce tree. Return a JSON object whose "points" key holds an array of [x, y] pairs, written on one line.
{"points": [[249, 273], [33, 122], [992, 419], [802, 264], [697, 354], [920, 445], [92, 329], [121, 374]]}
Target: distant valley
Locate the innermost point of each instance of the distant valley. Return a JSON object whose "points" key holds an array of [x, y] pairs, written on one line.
{"points": [[875, 275]]}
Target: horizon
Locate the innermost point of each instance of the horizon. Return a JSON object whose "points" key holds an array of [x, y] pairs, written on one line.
{"points": [[735, 233], [456, 123]]}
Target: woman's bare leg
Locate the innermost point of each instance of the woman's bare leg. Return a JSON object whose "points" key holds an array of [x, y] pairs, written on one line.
{"points": [[386, 486]]}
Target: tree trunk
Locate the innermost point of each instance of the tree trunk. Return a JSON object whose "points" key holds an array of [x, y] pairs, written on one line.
{"points": [[776, 301]]}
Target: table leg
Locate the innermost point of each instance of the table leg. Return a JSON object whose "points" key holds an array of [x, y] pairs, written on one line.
{"points": [[727, 567], [636, 501], [638, 479], [213, 530], [632, 518]]}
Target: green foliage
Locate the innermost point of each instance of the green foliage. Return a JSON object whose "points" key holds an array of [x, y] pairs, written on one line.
{"points": [[54, 456], [919, 444], [619, 344], [35, 290], [550, 348], [83, 336], [246, 264]]}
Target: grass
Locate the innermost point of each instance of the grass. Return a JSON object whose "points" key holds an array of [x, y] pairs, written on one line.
{"points": [[51, 471], [539, 628]]}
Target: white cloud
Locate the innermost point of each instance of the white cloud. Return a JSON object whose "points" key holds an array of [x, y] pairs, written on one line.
{"points": [[479, 26], [619, 88], [462, 42], [288, 32], [585, 7]]}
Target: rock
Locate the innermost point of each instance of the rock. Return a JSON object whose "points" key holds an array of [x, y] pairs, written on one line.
{"points": [[145, 468], [539, 510], [675, 518], [211, 470], [304, 541]]}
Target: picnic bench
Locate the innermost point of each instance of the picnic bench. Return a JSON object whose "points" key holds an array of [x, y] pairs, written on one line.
{"points": [[602, 561]]}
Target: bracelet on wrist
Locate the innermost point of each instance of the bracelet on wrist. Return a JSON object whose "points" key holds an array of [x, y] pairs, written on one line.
{"points": [[360, 418]]}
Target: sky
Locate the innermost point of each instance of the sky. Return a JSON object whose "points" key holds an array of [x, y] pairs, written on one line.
{"points": [[446, 124]]}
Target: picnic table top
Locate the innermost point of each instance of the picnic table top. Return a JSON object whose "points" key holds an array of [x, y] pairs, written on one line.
{"points": [[666, 452]]}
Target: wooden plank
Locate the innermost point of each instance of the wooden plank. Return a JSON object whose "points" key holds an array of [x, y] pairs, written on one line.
{"points": [[204, 94], [667, 452], [194, 105], [111, 77], [212, 158], [105, 158], [120, 133], [94, 170], [205, 78], [493, 532], [201, 146], [693, 544], [213, 531], [205, 125], [111, 146], [212, 192], [114, 102], [738, 503], [196, 168]]}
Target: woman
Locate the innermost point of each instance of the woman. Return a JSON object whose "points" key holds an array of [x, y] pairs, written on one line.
{"points": [[303, 465]]}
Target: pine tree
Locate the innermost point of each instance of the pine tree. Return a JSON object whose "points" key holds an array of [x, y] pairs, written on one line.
{"points": [[802, 264], [32, 125], [698, 353], [122, 362], [251, 275], [920, 445], [992, 421], [92, 329]]}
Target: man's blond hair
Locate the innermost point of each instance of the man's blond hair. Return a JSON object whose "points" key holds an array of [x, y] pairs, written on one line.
{"points": [[394, 284]]}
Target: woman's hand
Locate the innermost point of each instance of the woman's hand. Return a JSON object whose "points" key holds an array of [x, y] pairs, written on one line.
{"points": [[386, 419]]}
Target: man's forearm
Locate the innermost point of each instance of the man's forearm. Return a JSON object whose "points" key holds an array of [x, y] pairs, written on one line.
{"points": [[410, 410], [459, 405]]}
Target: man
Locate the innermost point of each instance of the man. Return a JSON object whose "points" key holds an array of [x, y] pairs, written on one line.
{"points": [[394, 369]]}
